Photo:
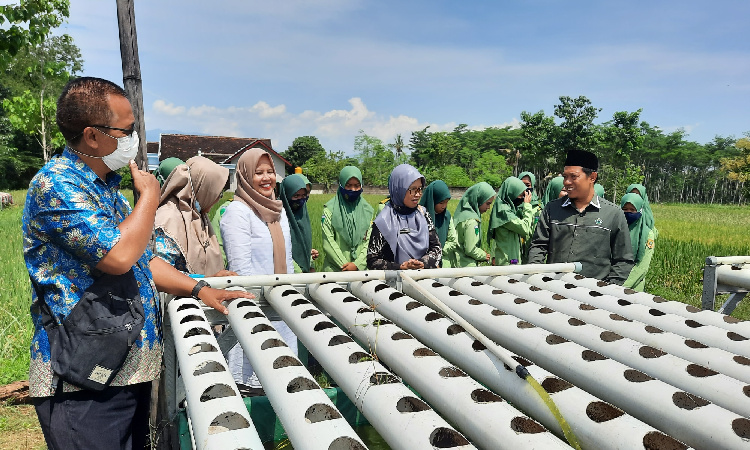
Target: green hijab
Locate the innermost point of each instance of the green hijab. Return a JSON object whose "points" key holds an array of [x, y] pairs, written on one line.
{"points": [[534, 197], [648, 215], [638, 229], [307, 183], [351, 219], [503, 210], [165, 168], [299, 221], [434, 193], [599, 190], [468, 206], [554, 187]]}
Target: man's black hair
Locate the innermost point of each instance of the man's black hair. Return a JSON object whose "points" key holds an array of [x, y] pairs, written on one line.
{"points": [[85, 102]]}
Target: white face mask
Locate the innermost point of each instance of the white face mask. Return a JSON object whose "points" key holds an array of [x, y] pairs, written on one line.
{"points": [[127, 149]]}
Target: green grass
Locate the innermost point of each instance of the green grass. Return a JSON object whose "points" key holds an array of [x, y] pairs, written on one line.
{"points": [[687, 235]]}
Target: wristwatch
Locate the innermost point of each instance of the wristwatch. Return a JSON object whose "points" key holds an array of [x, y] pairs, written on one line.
{"points": [[198, 286]]}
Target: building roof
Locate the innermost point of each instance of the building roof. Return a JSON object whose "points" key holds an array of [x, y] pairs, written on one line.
{"points": [[219, 149]]}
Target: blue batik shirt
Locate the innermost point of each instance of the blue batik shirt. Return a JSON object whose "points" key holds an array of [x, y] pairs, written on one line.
{"points": [[69, 224]]}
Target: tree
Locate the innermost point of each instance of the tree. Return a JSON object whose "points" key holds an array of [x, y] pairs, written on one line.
{"points": [[324, 168], [738, 167], [621, 137], [302, 149], [375, 160], [29, 23], [538, 148], [398, 146], [577, 131]]}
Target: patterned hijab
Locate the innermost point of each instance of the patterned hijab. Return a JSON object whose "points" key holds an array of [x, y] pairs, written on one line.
{"points": [[434, 193], [468, 206], [299, 221], [503, 210], [403, 228], [186, 196], [268, 209], [638, 229], [534, 197], [350, 219], [648, 215], [554, 187]]}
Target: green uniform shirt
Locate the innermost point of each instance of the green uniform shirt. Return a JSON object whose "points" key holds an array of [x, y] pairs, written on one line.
{"points": [[637, 278], [450, 246], [526, 242], [469, 251], [598, 237], [217, 229], [337, 251], [506, 242]]}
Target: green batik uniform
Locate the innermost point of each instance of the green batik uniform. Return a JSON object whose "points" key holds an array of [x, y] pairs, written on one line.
{"points": [[598, 237], [450, 246], [469, 236], [643, 240], [637, 278], [506, 244], [217, 229], [337, 250]]}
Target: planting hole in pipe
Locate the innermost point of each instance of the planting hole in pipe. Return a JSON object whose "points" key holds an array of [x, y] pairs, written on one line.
{"points": [[602, 283], [383, 378], [209, 367], [447, 438], [380, 287], [202, 347], [579, 277], [699, 371], [217, 391], [497, 291], [649, 352], [286, 361], [576, 322], [730, 319], [400, 335], [746, 390], [570, 286], [656, 312], [337, 289], [300, 384], [300, 301], [497, 312], [253, 315], [187, 306], [534, 289], [688, 401], [619, 318], [433, 316], [271, 343], [521, 424], [451, 372], [454, 293], [474, 302], [512, 281], [395, 295], [338, 340], [590, 355], [350, 299], [736, 337], [741, 360], [227, 421], [558, 297], [741, 427], [411, 405], [545, 310], [324, 325], [357, 357], [595, 294], [478, 346], [196, 331], [601, 412], [636, 376], [485, 396], [454, 329], [412, 305], [381, 321], [554, 339], [586, 307], [346, 443], [262, 327], [622, 302], [245, 303], [554, 384], [609, 336], [653, 330], [523, 324], [695, 344], [436, 284], [519, 301], [655, 440], [310, 313], [422, 352], [289, 292], [320, 412], [547, 279]]}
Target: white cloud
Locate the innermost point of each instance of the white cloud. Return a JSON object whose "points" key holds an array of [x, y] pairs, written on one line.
{"points": [[168, 108]]}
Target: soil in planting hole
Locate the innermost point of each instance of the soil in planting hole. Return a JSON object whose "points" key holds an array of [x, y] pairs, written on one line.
{"points": [[655, 440], [700, 371], [447, 438], [741, 427], [553, 385], [601, 412], [526, 425], [688, 401], [636, 376]]}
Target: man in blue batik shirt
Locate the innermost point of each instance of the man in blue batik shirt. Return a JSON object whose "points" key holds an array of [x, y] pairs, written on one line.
{"points": [[76, 226]]}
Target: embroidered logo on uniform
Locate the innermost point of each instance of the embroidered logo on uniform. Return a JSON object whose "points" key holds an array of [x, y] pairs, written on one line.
{"points": [[598, 221], [100, 374], [650, 243], [322, 219], [476, 230]]}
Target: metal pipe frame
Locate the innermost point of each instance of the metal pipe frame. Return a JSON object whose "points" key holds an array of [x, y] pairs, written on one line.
{"points": [[481, 415], [671, 410], [714, 358], [707, 317], [402, 419], [706, 334], [722, 390], [217, 414], [612, 429], [310, 419]]}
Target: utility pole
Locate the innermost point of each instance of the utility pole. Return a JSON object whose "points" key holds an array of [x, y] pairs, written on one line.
{"points": [[131, 73]]}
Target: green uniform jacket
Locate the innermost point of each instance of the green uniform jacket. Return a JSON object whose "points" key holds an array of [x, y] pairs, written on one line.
{"points": [[450, 246], [469, 251], [217, 230], [506, 243], [526, 242], [637, 278], [598, 237], [337, 251]]}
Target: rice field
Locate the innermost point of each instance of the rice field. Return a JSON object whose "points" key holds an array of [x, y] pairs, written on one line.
{"points": [[687, 235]]}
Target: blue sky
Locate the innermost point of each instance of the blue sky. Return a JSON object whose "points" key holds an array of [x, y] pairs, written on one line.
{"points": [[329, 68]]}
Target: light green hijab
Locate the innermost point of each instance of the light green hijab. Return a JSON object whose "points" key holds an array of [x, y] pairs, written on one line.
{"points": [[434, 193], [468, 206], [534, 197], [503, 210], [351, 219], [299, 221], [165, 168], [638, 229], [648, 215], [554, 187], [599, 190]]}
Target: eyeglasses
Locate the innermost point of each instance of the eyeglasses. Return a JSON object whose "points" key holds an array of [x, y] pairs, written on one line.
{"points": [[415, 191], [127, 132]]}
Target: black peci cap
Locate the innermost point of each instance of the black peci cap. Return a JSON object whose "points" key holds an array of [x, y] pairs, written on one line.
{"points": [[582, 158]]}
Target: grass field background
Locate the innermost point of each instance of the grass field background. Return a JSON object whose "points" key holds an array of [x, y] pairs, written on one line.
{"points": [[687, 235]]}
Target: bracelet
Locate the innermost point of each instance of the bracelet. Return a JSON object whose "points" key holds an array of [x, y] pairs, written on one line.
{"points": [[198, 286]]}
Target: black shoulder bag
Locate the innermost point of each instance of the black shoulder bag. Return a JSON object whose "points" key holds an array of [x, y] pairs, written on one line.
{"points": [[90, 345]]}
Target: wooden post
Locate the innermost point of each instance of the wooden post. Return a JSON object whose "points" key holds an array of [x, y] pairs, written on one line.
{"points": [[131, 73]]}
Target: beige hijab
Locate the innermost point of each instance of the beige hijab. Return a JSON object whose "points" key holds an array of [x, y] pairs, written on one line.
{"points": [[267, 209], [199, 181]]}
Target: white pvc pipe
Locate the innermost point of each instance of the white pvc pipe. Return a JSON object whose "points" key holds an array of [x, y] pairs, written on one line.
{"points": [[732, 259], [731, 276], [482, 416], [218, 416], [673, 411], [593, 430]]}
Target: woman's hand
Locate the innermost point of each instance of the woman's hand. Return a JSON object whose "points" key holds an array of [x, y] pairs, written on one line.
{"points": [[225, 273], [314, 253], [527, 197], [412, 264], [349, 266]]}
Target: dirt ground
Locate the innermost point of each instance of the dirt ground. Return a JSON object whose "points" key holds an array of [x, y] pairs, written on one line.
{"points": [[19, 428]]}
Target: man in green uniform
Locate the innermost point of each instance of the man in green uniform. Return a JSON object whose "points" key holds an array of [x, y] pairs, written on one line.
{"points": [[583, 226]]}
